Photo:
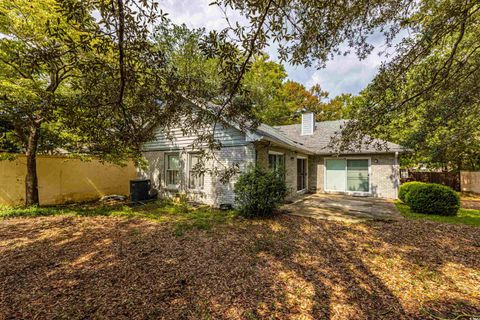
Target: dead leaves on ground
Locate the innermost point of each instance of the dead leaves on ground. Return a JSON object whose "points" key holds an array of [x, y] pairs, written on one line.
{"points": [[284, 268]]}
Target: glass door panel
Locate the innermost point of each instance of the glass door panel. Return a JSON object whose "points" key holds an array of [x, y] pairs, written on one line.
{"points": [[336, 175], [357, 175]]}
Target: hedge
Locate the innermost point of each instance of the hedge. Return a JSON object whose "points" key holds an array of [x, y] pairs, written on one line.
{"points": [[258, 192], [405, 189], [432, 198]]}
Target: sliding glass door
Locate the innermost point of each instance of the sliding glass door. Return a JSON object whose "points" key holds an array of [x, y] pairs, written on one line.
{"points": [[347, 175], [357, 175], [336, 175]]}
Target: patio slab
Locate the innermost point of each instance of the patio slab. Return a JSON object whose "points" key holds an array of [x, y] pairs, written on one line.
{"points": [[343, 208]]}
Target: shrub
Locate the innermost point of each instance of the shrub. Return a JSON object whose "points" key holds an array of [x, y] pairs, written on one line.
{"points": [[258, 192], [405, 189], [432, 198]]}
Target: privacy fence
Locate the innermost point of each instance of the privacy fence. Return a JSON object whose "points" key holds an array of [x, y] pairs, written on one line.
{"points": [[63, 180], [470, 181], [466, 181]]}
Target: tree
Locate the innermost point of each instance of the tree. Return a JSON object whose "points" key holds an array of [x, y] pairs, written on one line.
{"points": [[279, 101], [433, 75], [309, 32], [274, 100], [38, 53], [86, 77], [427, 97], [264, 82], [336, 108]]}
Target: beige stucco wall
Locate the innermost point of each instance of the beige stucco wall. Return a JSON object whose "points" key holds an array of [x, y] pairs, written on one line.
{"points": [[62, 180], [384, 174], [470, 181], [290, 164]]}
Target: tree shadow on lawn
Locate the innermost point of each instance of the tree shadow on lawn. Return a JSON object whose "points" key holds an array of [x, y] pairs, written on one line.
{"points": [[285, 267], [314, 258], [438, 264]]}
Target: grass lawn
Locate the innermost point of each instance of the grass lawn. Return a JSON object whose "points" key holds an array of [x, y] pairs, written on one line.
{"points": [[182, 216], [168, 261], [464, 216]]}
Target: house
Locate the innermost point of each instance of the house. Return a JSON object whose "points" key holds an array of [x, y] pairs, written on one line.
{"points": [[302, 150]]}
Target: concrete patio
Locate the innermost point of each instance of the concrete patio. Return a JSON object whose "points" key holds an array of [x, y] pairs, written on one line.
{"points": [[343, 208]]}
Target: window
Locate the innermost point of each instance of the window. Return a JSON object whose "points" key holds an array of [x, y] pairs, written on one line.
{"points": [[195, 176], [173, 170], [276, 162]]}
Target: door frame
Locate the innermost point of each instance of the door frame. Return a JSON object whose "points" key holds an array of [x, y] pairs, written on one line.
{"points": [[306, 174], [355, 193]]}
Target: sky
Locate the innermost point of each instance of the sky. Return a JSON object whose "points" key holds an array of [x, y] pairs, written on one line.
{"points": [[343, 74]]}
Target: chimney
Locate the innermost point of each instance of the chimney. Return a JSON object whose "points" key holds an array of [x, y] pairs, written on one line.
{"points": [[308, 123]]}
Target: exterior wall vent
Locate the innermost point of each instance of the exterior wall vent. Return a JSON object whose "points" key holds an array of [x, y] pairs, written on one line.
{"points": [[308, 123]]}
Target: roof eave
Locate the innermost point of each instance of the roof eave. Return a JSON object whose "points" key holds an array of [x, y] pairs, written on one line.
{"points": [[363, 152], [285, 145]]}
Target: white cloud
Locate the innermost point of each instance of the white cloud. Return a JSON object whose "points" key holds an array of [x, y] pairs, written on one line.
{"points": [[344, 74], [198, 13]]}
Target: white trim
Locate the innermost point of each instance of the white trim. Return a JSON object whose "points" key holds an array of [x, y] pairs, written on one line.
{"points": [[172, 187], [276, 153], [188, 168], [360, 193]]}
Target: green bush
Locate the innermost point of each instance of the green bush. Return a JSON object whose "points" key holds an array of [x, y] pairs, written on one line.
{"points": [[405, 189], [258, 192], [432, 198]]}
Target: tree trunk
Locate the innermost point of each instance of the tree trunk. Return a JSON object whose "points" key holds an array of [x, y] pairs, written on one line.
{"points": [[31, 180]]}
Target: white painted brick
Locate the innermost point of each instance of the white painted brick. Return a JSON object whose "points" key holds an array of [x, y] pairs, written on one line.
{"points": [[214, 192]]}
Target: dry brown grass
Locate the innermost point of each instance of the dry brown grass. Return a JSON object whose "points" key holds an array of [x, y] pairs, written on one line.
{"points": [[282, 268]]}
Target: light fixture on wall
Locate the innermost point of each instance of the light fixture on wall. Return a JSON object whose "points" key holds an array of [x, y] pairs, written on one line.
{"points": [[375, 160]]}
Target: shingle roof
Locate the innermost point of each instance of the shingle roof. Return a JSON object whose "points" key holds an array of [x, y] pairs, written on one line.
{"points": [[276, 135], [319, 141]]}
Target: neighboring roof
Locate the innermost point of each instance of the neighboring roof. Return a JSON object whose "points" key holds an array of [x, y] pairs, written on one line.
{"points": [[319, 141]]}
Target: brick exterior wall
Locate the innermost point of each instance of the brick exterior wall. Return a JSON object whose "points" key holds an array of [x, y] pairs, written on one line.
{"points": [[214, 192], [290, 164], [384, 178]]}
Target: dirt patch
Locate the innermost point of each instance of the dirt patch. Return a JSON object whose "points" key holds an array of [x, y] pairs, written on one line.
{"points": [[282, 268], [471, 204]]}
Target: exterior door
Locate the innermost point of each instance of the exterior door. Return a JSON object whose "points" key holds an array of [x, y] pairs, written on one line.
{"points": [[357, 175], [335, 179], [347, 175], [301, 174]]}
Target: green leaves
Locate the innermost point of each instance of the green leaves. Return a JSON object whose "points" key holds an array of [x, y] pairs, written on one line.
{"points": [[258, 192], [427, 97]]}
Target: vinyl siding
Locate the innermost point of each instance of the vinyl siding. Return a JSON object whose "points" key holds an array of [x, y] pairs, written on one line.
{"points": [[226, 135]]}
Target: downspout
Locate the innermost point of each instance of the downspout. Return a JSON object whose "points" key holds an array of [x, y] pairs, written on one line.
{"points": [[397, 175]]}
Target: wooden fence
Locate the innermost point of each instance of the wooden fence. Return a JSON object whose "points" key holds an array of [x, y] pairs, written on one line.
{"points": [[470, 181], [451, 179]]}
